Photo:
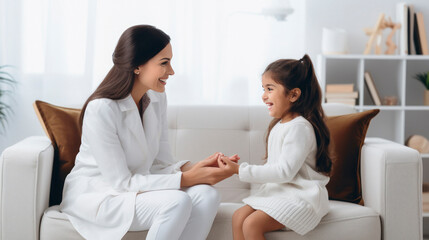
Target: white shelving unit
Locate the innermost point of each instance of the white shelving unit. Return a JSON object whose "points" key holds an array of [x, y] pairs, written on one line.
{"points": [[393, 76]]}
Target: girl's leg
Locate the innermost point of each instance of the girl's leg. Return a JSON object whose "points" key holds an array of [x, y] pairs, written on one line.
{"points": [[164, 213], [258, 223], [205, 203], [237, 221]]}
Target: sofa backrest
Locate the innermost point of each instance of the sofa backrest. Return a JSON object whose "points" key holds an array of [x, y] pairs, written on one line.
{"points": [[196, 132]]}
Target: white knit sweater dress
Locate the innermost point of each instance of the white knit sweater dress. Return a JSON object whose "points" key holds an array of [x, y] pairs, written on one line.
{"points": [[292, 191]]}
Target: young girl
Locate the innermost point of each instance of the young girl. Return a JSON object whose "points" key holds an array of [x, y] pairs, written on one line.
{"points": [[293, 193]]}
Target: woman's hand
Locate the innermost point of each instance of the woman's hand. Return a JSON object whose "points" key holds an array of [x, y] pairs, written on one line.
{"points": [[206, 171], [209, 161]]}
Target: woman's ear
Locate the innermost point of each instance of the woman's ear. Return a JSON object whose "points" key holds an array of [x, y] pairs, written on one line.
{"points": [[137, 71], [294, 94]]}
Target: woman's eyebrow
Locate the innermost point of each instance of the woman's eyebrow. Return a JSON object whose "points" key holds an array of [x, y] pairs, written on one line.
{"points": [[165, 59]]}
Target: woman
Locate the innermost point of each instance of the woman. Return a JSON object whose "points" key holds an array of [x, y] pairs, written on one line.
{"points": [[125, 178]]}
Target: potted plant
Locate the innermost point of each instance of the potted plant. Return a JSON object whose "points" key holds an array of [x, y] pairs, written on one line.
{"points": [[424, 78], [6, 82]]}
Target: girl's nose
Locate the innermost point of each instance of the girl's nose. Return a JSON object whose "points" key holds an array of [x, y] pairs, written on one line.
{"points": [[264, 96]]}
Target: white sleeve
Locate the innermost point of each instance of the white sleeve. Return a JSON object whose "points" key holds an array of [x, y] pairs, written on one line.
{"points": [[164, 162], [100, 131], [296, 146]]}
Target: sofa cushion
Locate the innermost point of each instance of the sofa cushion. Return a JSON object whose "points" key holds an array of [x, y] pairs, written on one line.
{"points": [[62, 126], [344, 221], [55, 223], [347, 137]]}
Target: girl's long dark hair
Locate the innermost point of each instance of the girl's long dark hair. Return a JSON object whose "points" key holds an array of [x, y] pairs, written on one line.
{"points": [[300, 74], [135, 47]]}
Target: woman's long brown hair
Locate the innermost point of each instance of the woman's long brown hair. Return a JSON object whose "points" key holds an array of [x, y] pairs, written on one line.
{"points": [[300, 74], [135, 47]]}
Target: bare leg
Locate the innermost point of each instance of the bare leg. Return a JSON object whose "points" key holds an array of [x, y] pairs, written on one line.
{"points": [[237, 221], [258, 223]]}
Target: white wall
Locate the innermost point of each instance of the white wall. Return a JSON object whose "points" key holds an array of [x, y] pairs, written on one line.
{"points": [[23, 121], [350, 15]]}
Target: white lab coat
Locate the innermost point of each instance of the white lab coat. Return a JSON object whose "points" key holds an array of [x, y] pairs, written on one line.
{"points": [[118, 158]]}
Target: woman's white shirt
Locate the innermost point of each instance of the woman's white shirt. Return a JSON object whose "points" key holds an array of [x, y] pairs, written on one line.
{"points": [[120, 155]]}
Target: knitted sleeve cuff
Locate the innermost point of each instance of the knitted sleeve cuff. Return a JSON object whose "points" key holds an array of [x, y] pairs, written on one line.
{"points": [[243, 172]]}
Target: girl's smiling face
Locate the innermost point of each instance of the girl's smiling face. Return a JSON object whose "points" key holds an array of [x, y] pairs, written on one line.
{"points": [[274, 96]]}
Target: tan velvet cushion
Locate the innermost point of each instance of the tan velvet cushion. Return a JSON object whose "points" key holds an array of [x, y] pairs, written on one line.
{"points": [[347, 138], [62, 126]]}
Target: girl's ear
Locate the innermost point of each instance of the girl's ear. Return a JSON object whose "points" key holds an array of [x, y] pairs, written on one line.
{"points": [[294, 94], [137, 71]]}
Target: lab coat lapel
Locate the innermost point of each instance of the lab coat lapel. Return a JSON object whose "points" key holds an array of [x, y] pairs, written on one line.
{"points": [[134, 125], [151, 124]]}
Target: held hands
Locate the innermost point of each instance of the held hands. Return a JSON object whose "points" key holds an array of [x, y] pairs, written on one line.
{"points": [[208, 171], [230, 167], [212, 161]]}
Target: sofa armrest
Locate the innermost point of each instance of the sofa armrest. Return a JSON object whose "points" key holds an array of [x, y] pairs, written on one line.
{"points": [[392, 186], [25, 177]]}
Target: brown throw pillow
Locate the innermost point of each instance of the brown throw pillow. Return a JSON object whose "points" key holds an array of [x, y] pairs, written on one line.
{"points": [[62, 126], [347, 138]]}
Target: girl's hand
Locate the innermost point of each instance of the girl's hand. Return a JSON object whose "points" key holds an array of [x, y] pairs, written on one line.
{"points": [[229, 166], [234, 158], [211, 161]]}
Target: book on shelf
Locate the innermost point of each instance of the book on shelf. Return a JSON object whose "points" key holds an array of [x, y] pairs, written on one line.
{"points": [[342, 94], [417, 37], [422, 41], [369, 82], [402, 18], [410, 34], [339, 88], [425, 200], [348, 101]]}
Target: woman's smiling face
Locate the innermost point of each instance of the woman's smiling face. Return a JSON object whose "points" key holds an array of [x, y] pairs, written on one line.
{"points": [[154, 73]]}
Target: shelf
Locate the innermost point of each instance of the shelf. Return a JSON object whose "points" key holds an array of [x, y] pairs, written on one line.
{"points": [[425, 214], [417, 108], [393, 75], [368, 107], [384, 107], [425, 155], [381, 57]]}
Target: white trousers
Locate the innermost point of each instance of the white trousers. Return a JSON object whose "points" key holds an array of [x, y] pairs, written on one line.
{"points": [[184, 214]]}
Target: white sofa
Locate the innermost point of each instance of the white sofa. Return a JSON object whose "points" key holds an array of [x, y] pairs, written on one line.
{"points": [[391, 180]]}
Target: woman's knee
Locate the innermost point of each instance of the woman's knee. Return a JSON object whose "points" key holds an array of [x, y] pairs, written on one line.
{"points": [[212, 194], [207, 194], [179, 201]]}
